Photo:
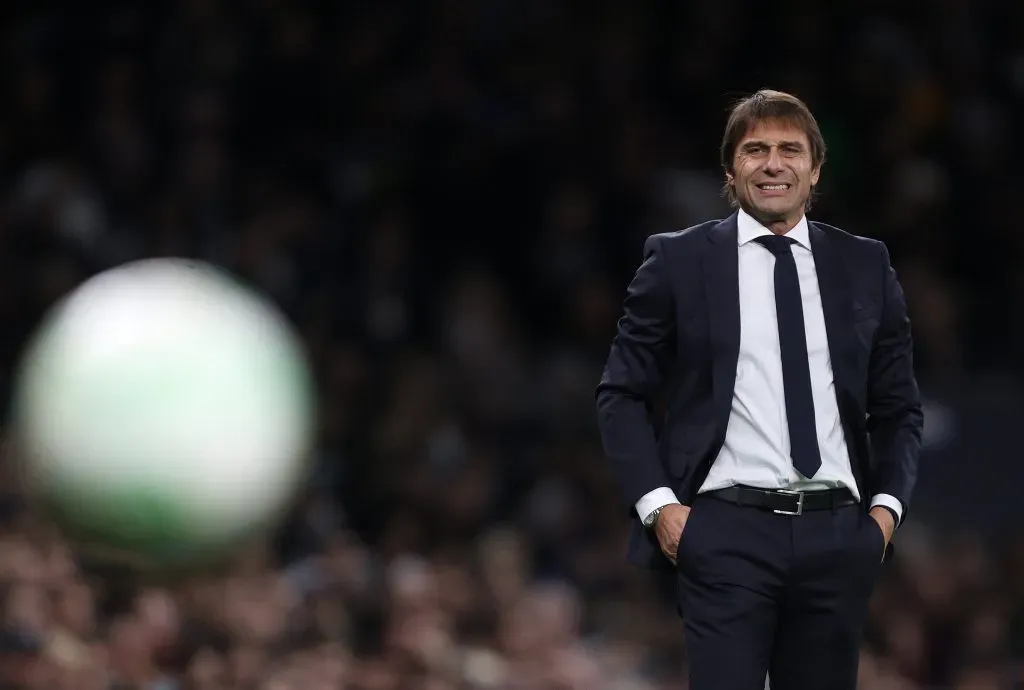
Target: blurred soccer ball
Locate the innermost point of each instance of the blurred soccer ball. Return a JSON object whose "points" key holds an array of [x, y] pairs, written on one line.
{"points": [[163, 414]]}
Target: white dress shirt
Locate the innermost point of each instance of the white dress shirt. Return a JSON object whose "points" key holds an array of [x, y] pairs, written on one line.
{"points": [[756, 448]]}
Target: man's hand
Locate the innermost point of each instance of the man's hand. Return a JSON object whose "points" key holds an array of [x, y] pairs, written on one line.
{"points": [[885, 522], [668, 528]]}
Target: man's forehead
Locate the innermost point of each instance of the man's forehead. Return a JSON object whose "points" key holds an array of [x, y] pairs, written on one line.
{"points": [[775, 131]]}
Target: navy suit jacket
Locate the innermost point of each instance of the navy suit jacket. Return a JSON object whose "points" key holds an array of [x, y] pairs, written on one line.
{"points": [[665, 396]]}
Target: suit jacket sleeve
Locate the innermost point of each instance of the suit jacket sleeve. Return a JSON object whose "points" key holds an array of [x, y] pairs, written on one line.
{"points": [[894, 416], [638, 363]]}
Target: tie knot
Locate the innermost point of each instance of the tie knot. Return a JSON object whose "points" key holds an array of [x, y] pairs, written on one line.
{"points": [[779, 245]]}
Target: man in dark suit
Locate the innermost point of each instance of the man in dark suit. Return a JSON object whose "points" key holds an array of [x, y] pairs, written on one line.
{"points": [[788, 449]]}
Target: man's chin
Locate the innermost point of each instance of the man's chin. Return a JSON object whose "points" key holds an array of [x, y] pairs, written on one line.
{"points": [[766, 213]]}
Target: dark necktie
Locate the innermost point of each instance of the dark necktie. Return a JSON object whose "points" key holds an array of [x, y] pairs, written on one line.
{"points": [[796, 373]]}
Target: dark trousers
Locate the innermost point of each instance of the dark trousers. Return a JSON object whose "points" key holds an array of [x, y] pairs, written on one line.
{"points": [[784, 596]]}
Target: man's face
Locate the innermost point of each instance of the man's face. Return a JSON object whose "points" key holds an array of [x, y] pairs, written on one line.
{"points": [[773, 172]]}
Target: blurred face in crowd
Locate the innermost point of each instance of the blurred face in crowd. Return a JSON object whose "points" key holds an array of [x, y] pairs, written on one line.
{"points": [[28, 607], [206, 671], [773, 173], [75, 608]]}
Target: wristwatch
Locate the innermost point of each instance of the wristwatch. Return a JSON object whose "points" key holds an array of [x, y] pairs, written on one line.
{"points": [[652, 518]]}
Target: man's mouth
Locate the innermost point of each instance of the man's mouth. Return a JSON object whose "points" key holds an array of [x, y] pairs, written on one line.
{"points": [[774, 187]]}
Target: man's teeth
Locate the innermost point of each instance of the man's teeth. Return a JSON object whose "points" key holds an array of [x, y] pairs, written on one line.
{"points": [[774, 187]]}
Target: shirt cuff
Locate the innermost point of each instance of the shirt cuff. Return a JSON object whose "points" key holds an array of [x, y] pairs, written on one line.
{"points": [[651, 501], [890, 502]]}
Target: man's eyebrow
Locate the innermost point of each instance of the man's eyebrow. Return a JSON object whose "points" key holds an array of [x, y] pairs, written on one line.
{"points": [[754, 143]]}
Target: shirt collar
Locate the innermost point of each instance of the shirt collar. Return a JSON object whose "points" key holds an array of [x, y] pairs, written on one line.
{"points": [[748, 229]]}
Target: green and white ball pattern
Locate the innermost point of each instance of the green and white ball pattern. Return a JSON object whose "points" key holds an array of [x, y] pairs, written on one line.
{"points": [[164, 412]]}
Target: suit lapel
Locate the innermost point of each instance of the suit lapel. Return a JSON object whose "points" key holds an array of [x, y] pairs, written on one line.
{"points": [[720, 268], [836, 303]]}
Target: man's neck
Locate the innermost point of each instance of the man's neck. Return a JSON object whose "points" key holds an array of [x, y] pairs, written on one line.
{"points": [[781, 227]]}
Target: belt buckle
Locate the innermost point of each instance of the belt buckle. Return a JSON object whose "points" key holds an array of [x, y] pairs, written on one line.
{"points": [[799, 502]]}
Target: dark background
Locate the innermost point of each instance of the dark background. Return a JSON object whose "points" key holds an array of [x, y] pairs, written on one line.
{"points": [[448, 198]]}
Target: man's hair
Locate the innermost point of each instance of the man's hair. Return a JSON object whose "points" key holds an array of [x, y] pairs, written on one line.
{"points": [[766, 105]]}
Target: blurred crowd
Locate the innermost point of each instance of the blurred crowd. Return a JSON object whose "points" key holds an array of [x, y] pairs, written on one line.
{"points": [[448, 198], [347, 616]]}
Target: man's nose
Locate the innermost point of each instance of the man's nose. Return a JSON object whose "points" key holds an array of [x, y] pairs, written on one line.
{"points": [[773, 163]]}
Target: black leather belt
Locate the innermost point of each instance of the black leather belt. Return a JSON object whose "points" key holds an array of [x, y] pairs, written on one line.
{"points": [[785, 502]]}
